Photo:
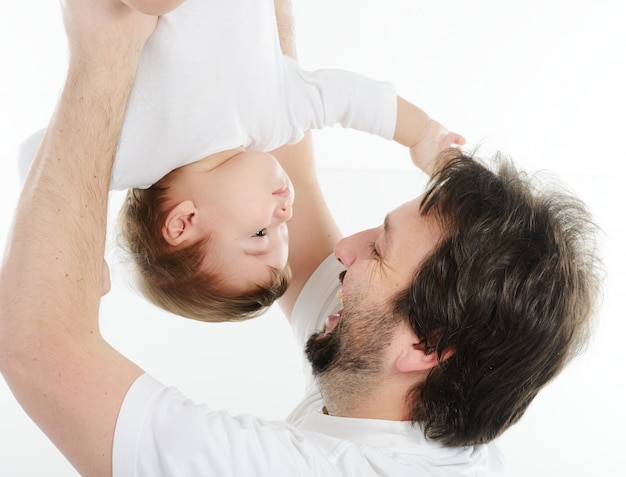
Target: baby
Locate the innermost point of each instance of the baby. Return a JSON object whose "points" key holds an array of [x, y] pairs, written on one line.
{"points": [[205, 218]]}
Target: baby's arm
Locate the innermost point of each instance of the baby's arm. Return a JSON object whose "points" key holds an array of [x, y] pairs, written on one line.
{"points": [[153, 7], [424, 136], [354, 101]]}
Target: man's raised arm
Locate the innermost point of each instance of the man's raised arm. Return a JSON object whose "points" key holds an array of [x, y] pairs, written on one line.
{"points": [[67, 378]]}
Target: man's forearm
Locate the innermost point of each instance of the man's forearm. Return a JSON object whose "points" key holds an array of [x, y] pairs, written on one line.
{"points": [[60, 221], [57, 241], [51, 352]]}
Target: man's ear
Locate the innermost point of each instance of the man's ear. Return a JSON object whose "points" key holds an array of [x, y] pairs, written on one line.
{"points": [[415, 358], [180, 225]]}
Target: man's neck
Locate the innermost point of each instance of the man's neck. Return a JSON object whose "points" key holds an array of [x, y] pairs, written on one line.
{"points": [[388, 403]]}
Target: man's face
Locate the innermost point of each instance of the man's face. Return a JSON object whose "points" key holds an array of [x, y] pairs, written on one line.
{"points": [[349, 355]]}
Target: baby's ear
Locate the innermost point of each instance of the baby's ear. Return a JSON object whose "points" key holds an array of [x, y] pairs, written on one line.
{"points": [[180, 225]]}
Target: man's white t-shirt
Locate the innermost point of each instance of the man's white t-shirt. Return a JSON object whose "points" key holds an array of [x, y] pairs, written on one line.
{"points": [[212, 77], [161, 433]]}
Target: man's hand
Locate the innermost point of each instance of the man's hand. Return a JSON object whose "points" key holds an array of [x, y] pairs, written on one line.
{"points": [[436, 139]]}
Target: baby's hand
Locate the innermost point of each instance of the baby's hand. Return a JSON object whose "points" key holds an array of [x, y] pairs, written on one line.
{"points": [[436, 139]]}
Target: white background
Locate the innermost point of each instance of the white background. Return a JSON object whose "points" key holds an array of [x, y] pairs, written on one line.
{"points": [[542, 81]]}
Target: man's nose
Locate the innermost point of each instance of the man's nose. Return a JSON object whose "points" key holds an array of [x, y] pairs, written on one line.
{"points": [[345, 251], [348, 249]]}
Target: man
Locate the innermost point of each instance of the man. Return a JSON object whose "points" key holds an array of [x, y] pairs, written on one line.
{"points": [[417, 310]]}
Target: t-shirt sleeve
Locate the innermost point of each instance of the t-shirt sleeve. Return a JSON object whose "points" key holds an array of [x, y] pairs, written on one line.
{"points": [[327, 97], [160, 432]]}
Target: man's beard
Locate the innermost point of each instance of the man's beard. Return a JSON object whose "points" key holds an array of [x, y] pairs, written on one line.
{"points": [[347, 361], [322, 350]]}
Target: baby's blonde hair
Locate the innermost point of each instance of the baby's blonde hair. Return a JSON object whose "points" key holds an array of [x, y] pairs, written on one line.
{"points": [[174, 279]]}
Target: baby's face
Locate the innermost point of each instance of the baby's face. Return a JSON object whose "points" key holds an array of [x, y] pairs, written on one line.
{"points": [[249, 203]]}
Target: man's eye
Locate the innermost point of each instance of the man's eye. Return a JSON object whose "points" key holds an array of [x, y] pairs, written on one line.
{"points": [[260, 233], [373, 249]]}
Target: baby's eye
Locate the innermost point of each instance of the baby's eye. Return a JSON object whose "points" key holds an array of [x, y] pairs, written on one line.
{"points": [[260, 233]]}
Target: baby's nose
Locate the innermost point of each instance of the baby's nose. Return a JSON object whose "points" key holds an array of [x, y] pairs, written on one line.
{"points": [[283, 212]]}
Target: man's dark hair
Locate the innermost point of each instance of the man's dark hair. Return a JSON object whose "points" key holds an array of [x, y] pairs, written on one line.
{"points": [[510, 291]]}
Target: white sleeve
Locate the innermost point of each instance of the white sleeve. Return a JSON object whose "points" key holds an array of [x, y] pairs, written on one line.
{"points": [[160, 432], [317, 99]]}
